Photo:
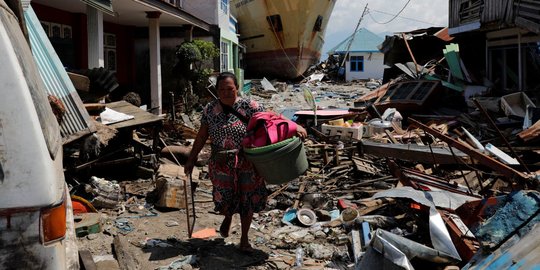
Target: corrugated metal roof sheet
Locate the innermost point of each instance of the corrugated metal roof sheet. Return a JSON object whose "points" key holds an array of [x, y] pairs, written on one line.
{"points": [[364, 41], [76, 122]]}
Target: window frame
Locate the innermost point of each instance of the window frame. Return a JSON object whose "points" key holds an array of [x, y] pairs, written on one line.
{"points": [[275, 22], [109, 49], [358, 59], [224, 6], [224, 56]]}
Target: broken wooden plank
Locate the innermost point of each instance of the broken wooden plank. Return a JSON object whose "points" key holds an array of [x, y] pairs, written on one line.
{"points": [[497, 166], [366, 166], [533, 132], [366, 206], [411, 152], [392, 139], [474, 140], [298, 195], [492, 149], [486, 114], [126, 261], [356, 246], [80, 82], [422, 181], [86, 260]]}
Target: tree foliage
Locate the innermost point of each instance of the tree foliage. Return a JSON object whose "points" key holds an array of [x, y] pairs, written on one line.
{"points": [[188, 53], [194, 62], [196, 52]]}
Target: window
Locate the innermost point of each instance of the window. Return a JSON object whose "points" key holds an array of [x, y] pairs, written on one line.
{"points": [[225, 6], [318, 24], [233, 24], [357, 63], [109, 49], [57, 31], [46, 27], [224, 56], [470, 11], [66, 32], [275, 22], [61, 37], [177, 3]]}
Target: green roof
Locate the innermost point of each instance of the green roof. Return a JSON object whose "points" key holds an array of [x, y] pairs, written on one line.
{"points": [[364, 41]]}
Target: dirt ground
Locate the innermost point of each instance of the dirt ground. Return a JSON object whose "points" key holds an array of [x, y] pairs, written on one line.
{"points": [[157, 241]]}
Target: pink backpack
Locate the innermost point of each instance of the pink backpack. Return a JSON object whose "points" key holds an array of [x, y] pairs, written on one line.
{"points": [[265, 128]]}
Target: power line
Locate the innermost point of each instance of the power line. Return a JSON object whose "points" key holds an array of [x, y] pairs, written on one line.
{"points": [[411, 19], [354, 34], [395, 16]]}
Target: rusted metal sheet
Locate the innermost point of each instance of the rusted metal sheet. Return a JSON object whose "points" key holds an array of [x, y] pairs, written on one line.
{"points": [[497, 166]]}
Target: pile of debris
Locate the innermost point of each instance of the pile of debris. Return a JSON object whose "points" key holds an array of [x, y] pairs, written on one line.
{"points": [[428, 170], [423, 172]]}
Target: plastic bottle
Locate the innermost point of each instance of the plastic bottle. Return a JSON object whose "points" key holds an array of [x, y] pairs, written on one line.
{"points": [[299, 257]]}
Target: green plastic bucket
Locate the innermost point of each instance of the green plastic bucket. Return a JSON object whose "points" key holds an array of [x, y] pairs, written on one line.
{"points": [[268, 148], [282, 164]]}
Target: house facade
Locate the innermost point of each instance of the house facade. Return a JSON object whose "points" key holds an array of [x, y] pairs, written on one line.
{"points": [[125, 36], [363, 60], [217, 13], [502, 37]]}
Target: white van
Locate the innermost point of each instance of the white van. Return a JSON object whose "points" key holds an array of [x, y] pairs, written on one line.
{"points": [[36, 219]]}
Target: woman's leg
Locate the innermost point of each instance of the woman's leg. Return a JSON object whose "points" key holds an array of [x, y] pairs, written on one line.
{"points": [[225, 226], [246, 224]]}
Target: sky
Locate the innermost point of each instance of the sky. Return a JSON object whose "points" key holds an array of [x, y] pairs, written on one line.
{"points": [[417, 14]]}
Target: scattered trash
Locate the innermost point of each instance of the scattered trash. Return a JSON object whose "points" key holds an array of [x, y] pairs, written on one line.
{"points": [[87, 224], [180, 263], [124, 225], [171, 223], [306, 217], [107, 193], [204, 233], [151, 243], [299, 262]]}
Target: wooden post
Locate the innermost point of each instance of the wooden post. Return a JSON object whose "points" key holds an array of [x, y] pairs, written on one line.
{"points": [[410, 52]]}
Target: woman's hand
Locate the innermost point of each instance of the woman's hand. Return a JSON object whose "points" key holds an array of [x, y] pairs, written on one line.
{"points": [[202, 135], [301, 132], [188, 168]]}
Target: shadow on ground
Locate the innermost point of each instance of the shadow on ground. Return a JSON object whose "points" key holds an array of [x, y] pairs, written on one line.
{"points": [[211, 254]]}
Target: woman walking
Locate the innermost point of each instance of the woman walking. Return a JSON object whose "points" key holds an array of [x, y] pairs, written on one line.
{"points": [[237, 188]]}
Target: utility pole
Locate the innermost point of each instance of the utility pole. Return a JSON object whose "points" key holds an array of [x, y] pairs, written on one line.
{"points": [[353, 35]]}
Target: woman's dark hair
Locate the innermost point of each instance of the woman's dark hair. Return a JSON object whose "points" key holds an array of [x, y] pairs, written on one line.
{"points": [[225, 75]]}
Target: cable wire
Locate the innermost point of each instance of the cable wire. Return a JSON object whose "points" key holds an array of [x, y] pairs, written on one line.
{"points": [[395, 16], [411, 19]]}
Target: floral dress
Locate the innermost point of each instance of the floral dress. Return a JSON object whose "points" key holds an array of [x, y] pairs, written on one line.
{"points": [[237, 187]]}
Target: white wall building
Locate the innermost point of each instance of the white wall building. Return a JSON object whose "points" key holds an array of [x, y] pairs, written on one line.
{"points": [[364, 60]]}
